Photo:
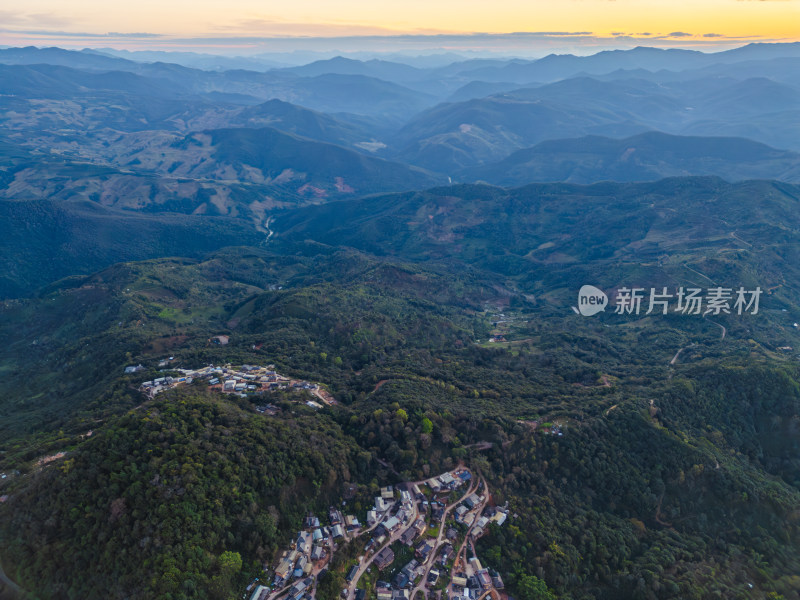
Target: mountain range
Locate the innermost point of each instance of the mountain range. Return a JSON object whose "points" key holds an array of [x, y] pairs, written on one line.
{"points": [[645, 157], [412, 241]]}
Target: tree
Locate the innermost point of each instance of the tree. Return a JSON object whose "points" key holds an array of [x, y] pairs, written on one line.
{"points": [[530, 587]]}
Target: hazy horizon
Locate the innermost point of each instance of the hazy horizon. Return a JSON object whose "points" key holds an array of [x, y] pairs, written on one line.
{"points": [[244, 27]]}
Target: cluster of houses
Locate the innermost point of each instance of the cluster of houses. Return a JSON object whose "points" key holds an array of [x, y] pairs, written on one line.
{"points": [[244, 380], [392, 519], [447, 481], [465, 513], [475, 581], [383, 505], [388, 516], [309, 552]]}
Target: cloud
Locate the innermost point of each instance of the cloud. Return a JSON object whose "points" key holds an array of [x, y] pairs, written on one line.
{"points": [[340, 38], [278, 28], [132, 35], [547, 33], [46, 33], [11, 18]]}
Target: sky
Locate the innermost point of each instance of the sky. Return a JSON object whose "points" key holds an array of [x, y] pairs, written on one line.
{"points": [[248, 26]]}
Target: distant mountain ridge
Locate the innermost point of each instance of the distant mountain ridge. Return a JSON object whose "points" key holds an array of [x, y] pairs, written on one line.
{"points": [[453, 136], [645, 157]]}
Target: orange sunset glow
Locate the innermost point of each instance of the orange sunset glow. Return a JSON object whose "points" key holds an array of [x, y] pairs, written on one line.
{"points": [[675, 22]]}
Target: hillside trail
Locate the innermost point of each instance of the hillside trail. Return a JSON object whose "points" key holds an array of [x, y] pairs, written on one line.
{"points": [[722, 338]]}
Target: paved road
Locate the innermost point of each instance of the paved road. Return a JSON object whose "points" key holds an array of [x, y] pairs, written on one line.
{"points": [[8, 585], [442, 529], [351, 589], [461, 555], [396, 536]]}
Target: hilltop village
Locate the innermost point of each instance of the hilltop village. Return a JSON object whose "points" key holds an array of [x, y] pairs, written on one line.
{"points": [[243, 380], [418, 539]]}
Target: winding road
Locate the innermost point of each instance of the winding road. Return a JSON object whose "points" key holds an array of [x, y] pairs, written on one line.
{"points": [[7, 585], [461, 555], [428, 564]]}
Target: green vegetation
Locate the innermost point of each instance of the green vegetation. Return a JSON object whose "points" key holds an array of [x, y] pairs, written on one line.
{"points": [[173, 217], [645, 157], [174, 495], [669, 481]]}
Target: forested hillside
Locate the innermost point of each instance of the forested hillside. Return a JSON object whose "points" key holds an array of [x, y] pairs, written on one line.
{"points": [[234, 291], [663, 473]]}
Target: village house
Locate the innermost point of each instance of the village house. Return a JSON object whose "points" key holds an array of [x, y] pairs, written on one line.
{"points": [[484, 579], [318, 553], [410, 568], [497, 581], [499, 517], [391, 524], [447, 480], [472, 501], [423, 549], [384, 558], [283, 569], [437, 511], [408, 536], [400, 580], [352, 574], [260, 593], [303, 542], [381, 505], [383, 590], [299, 566], [461, 510], [299, 587]]}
